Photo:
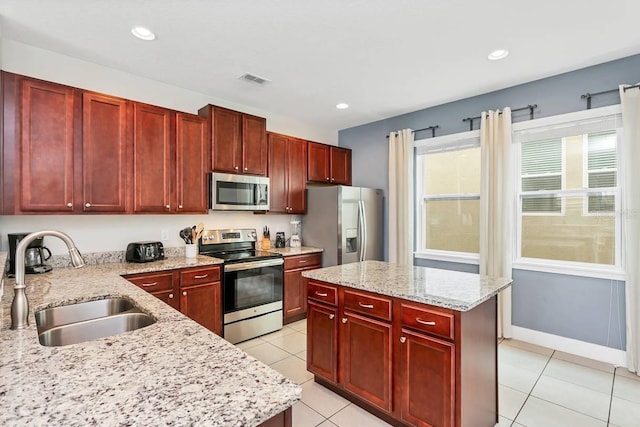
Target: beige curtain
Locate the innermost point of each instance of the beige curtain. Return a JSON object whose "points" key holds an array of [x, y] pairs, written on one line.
{"points": [[497, 206], [400, 233], [630, 204]]}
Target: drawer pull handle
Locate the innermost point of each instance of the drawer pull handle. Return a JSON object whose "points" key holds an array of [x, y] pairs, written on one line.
{"points": [[331, 316], [424, 322], [344, 320], [320, 294], [302, 261], [201, 276], [146, 285], [369, 306], [403, 339]]}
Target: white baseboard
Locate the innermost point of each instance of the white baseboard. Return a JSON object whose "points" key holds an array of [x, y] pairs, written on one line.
{"points": [[569, 345]]}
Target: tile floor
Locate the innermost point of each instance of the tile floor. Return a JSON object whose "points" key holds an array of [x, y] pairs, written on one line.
{"points": [[537, 387]]}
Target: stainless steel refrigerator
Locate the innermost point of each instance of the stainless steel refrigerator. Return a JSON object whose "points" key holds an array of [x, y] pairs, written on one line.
{"points": [[346, 222]]}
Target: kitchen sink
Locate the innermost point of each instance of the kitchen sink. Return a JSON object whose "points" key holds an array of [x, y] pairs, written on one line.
{"points": [[86, 321]]}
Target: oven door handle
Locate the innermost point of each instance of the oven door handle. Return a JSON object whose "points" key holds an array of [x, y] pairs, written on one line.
{"points": [[253, 264]]}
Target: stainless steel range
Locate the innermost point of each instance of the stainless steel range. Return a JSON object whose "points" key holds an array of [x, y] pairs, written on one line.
{"points": [[251, 286]]}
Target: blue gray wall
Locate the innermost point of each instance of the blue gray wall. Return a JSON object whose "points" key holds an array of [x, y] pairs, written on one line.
{"points": [[552, 303]]}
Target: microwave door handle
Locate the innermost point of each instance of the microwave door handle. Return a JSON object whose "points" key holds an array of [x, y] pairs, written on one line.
{"points": [[361, 233], [364, 231]]}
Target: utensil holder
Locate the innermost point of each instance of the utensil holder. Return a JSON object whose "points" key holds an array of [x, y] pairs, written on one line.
{"points": [[191, 250]]}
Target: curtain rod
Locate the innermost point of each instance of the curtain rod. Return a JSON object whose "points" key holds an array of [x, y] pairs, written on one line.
{"points": [[529, 107], [588, 95], [433, 130]]}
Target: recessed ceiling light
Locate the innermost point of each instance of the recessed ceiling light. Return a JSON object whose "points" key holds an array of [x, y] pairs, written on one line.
{"points": [[143, 33], [342, 106], [498, 54]]}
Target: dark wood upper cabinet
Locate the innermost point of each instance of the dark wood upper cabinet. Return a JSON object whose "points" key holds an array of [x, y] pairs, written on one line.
{"points": [[45, 136], [328, 164], [105, 153], [191, 163], [238, 141], [287, 174], [152, 157]]}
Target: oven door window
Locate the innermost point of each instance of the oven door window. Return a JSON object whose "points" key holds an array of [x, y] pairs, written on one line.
{"points": [[251, 288]]}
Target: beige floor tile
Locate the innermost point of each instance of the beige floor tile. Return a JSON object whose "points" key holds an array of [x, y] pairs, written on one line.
{"points": [[545, 351], [302, 355], [517, 378], [300, 325], [327, 423], [523, 359], [267, 353], [303, 416], [624, 413], [354, 416], [572, 396], [510, 401], [321, 399], [277, 334], [293, 343], [504, 422], [579, 360], [539, 413], [628, 389], [624, 372], [251, 343], [584, 376], [294, 369]]}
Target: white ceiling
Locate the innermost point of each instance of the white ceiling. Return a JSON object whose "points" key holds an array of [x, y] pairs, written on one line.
{"points": [[382, 57]]}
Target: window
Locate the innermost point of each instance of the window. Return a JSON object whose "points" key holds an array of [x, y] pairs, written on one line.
{"points": [[567, 192], [448, 196]]}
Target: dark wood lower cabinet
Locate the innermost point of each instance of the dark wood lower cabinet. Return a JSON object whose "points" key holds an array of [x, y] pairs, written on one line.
{"points": [[283, 419], [408, 363], [295, 287], [199, 302]]}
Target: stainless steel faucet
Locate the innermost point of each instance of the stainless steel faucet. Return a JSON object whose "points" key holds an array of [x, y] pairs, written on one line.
{"points": [[20, 304]]}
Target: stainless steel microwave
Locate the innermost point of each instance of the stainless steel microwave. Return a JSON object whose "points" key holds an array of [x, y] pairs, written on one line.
{"points": [[239, 192]]}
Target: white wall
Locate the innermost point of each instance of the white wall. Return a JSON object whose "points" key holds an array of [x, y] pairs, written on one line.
{"points": [[96, 233]]}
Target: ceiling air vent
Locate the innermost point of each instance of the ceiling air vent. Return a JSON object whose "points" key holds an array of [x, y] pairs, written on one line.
{"points": [[254, 79]]}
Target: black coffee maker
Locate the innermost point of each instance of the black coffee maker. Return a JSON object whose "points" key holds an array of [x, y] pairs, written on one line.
{"points": [[34, 256]]}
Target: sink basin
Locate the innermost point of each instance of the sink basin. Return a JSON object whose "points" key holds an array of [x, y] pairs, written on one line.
{"points": [[86, 321]]}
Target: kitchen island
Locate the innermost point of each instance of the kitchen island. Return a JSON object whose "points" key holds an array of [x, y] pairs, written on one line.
{"points": [[173, 372], [413, 345]]}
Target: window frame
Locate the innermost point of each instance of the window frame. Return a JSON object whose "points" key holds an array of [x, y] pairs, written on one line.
{"points": [[563, 179], [604, 271], [585, 177]]}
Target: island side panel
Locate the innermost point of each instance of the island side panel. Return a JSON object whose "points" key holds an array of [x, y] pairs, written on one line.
{"points": [[478, 373]]}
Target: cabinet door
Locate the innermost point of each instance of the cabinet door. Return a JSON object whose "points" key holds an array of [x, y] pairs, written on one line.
{"points": [[202, 304], [318, 162], [365, 359], [105, 156], [278, 198], [191, 163], [340, 161], [46, 147], [295, 296], [152, 159], [297, 175], [254, 145], [226, 147], [168, 297], [322, 341], [428, 394]]}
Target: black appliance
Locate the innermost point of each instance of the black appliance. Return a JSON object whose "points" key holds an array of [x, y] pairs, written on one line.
{"points": [[34, 255], [238, 192], [252, 283], [280, 240], [144, 252]]}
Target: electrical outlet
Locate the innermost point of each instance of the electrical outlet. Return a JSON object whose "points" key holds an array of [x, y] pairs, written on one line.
{"points": [[164, 234]]}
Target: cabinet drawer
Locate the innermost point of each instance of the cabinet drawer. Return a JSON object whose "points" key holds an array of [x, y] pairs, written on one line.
{"points": [[196, 276], [375, 306], [153, 282], [302, 261], [427, 320], [325, 293]]}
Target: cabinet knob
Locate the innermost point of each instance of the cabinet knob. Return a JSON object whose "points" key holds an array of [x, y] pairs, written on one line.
{"points": [[236, 168], [331, 316], [170, 296], [179, 206], [87, 205], [327, 178], [403, 339], [344, 320], [246, 169], [69, 205], [184, 293], [168, 206], [332, 179]]}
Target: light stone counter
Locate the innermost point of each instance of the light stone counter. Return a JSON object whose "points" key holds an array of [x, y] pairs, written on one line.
{"points": [[174, 372], [303, 250], [443, 288]]}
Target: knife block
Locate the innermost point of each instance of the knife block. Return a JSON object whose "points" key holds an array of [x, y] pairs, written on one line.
{"points": [[265, 244]]}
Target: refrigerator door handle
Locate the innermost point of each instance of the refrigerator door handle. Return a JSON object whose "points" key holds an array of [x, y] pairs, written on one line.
{"points": [[363, 230]]}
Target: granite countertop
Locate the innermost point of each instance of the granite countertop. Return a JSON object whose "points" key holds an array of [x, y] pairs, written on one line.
{"points": [[303, 250], [173, 372], [442, 288]]}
